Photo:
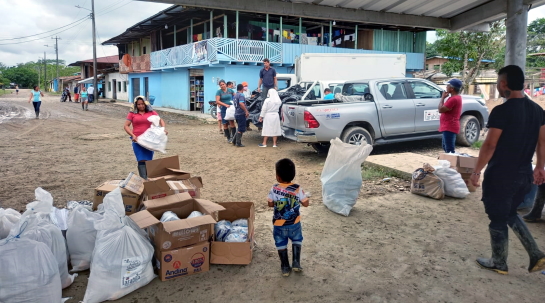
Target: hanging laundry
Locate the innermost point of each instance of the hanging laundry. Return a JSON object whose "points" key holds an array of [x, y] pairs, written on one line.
{"points": [[312, 40], [195, 38], [218, 32], [338, 41], [199, 37], [276, 32], [285, 34], [337, 33]]}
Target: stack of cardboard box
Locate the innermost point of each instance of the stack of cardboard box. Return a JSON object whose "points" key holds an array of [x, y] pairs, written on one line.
{"points": [[165, 178], [131, 191], [464, 165]]}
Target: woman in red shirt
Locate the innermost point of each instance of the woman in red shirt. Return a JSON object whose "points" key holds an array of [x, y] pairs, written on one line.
{"points": [[139, 120]]}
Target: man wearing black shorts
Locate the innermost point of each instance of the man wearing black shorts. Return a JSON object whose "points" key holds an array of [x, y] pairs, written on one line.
{"points": [[516, 127]]}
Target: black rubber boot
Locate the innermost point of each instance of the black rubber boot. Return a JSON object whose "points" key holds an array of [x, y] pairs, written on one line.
{"points": [[296, 252], [226, 134], [284, 262], [499, 241], [535, 214], [537, 257], [142, 171], [37, 114], [232, 134], [239, 140]]}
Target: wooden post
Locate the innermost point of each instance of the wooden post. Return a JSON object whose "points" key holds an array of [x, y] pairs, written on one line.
{"points": [[211, 25], [225, 33], [281, 31], [330, 34], [267, 26], [191, 27], [174, 35], [237, 26], [300, 29]]}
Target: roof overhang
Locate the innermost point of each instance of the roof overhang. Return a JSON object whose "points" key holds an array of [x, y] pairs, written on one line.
{"points": [[424, 14]]}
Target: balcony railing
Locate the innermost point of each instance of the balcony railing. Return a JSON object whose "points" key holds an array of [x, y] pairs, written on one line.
{"points": [[215, 50]]}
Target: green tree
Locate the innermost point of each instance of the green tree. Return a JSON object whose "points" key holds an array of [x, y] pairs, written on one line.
{"points": [[23, 76], [536, 43], [466, 50], [431, 49]]}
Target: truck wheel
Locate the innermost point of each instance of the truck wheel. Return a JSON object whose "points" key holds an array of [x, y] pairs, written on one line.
{"points": [[321, 148], [357, 136], [470, 130]]}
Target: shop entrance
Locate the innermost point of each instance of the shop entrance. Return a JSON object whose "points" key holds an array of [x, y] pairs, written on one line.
{"points": [[196, 90]]}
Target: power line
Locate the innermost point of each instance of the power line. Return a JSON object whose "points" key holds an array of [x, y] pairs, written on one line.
{"points": [[115, 8], [45, 32], [46, 37]]}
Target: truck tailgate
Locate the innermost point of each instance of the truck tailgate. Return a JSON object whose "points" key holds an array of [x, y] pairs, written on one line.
{"points": [[292, 119]]}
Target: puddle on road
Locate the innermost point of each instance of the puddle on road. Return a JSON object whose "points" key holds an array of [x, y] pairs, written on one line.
{"points": [[9, 112]]}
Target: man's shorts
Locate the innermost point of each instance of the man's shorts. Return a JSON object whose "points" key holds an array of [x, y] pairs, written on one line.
{"points": [[282, 234]]}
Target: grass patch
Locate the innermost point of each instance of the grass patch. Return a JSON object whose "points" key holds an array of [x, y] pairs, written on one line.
{"points": [[477, 145], [5, 91], [372, 172]]}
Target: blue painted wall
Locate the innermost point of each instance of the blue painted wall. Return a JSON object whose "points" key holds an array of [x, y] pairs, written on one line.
{"points": [[155, 88], [175, 89]]}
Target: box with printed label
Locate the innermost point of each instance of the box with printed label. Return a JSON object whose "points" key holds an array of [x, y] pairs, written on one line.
{"points": [[462, 164], [184, 261], [161, 187], [177, 233], [234, 252], [130, 191]]}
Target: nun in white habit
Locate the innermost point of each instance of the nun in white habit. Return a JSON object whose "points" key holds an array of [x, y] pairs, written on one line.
{"points": [[270, 118]]}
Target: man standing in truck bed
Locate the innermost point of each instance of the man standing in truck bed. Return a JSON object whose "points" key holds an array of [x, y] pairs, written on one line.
{"points": [[267, 77]]}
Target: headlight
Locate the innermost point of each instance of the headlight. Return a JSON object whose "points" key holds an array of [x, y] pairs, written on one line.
{"points": [[481, 101]]}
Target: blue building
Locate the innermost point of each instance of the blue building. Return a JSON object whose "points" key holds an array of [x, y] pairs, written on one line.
{"points": [[179, 54]]}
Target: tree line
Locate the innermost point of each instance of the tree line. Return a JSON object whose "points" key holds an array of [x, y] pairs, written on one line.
{"points": [[31, 73]]}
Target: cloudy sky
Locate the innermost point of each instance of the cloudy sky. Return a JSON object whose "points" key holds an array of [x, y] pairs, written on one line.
{"points": [[22, 18]]}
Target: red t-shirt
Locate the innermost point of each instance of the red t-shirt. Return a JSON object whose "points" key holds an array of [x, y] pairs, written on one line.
{"points": [[140, 122], [450, 121]]}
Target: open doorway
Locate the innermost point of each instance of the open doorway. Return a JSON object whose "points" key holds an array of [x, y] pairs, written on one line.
{"points": [[114, 92], [196, 90]]}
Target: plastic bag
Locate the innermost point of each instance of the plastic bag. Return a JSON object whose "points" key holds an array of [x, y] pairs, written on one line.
{"points": [[169, 216], [455, 186], [81, 236], [154, 138], [29, 272], [8, 218], [341, 176], [194, 214], [222, 229], [426, 183], [36, 224], [240, 222], [236, 237], [230, 113], [121, 261]]}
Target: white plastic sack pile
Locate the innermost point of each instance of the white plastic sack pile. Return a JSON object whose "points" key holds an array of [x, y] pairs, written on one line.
{"points": [[81, 236], [29, 272], [36, 224], [8, 218], [121, 261], [154, 138], [341, 176], [455, 186]]}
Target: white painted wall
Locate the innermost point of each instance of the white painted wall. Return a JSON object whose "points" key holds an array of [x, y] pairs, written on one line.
{"points": [[122, 93]]}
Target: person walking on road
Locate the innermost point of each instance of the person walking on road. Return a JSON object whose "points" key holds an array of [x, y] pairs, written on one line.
{"points": [[139, 121], [76, 94], [515, 128], [449, 122], [91, 92], [270, 118], [267, 78], [241, 114], [67, 90], [83, 98], [16, 89], [224, 97], [535, 214], [36, 98]]}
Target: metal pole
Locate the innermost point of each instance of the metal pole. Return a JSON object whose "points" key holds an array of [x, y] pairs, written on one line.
{"points": [[300, 29], [39, 72], [382, 39], [281, 31], [398, 40], [95, 87], [322, 36], [237, 26], [225, 34], [267, 31], [191, 26], [45, 72], [205, 32], [57, 63], [329, 42], [174, 35], [356, 38], [211, 25], [516, 27]]}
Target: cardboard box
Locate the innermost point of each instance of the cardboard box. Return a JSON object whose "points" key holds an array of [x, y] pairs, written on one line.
{"points": [[166, 168], [184, 261], [179, 233], [131, 194], [470, 187], [463, 165], [232, 252], [161, 187]]}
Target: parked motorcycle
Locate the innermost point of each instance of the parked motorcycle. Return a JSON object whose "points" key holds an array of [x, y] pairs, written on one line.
{"points": [[213, 109]]}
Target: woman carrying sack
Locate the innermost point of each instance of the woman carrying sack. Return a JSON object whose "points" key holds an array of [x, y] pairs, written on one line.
{"points": [[270, 118], [139, 120], [224, 97]]}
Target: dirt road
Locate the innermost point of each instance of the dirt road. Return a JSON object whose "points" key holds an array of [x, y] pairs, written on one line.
{"points": [[392, 248]]}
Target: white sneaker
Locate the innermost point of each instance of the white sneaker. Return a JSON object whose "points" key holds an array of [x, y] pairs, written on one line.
{"points": [[275, 146], [261, 145]]}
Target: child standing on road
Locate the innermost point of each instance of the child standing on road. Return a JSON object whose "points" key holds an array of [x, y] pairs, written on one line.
{"points": [[286, 198]]}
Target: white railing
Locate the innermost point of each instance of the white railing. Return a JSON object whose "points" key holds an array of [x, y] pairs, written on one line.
{"points": [[215, 50]]}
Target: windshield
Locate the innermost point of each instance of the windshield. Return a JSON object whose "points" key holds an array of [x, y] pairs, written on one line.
{"points": [[356, 89]]}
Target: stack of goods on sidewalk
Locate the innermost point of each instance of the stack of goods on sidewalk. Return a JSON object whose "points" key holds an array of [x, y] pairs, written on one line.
{"points": [[463, 164]]}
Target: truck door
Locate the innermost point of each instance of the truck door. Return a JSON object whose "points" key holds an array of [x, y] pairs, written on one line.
{"points": [[426, 98], [397, 111]]}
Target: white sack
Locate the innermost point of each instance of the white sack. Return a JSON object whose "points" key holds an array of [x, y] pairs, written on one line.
{"points": [[81, 236], [8, 218], [154, 138], [455, 186], [121, 261], [341, 176]]}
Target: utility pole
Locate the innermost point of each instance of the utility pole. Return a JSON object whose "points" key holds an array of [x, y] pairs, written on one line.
{"points": [[45, 73], [39, 72], [57, 53], [95, 90]]}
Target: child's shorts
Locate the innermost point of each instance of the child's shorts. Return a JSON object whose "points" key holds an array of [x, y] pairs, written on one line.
{"points": [[281, 235], [218, 113]]}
